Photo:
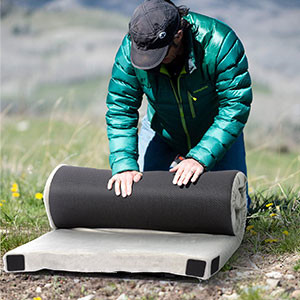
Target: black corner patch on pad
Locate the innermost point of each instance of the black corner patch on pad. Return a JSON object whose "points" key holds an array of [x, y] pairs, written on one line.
{"points": [[215, 265], [195, 267], [15, 262]]}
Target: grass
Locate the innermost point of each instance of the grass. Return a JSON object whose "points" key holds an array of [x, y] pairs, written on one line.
{"points": [[93, 90], [297, 266], [271, 171], [274, 223], [44, 96], [32, 148], [252, 294]]}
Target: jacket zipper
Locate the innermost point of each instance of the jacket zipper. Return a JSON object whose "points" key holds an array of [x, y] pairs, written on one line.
{"points": [[191, 99], [179, 102]]}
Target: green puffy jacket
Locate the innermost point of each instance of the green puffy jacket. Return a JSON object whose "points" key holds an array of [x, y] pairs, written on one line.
{"points": [[200, 115]]}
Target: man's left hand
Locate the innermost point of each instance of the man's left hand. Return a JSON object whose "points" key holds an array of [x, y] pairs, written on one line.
{"points": [[186, 170]]}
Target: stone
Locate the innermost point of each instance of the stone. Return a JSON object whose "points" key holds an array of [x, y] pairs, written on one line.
{"points": [[38, 290], [248, 290], [275, 275], [88, 297], [273, 283], [296, 294], [122, 297], [289, 277], [47, 285], [277, 292], [233, 296], [76, 280], [243, 274]]}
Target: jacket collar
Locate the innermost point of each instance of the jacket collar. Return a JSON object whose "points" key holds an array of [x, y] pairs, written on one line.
{"points": [[190, 43]]}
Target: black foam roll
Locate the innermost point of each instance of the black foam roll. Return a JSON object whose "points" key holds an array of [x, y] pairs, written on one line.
{"points": [[78, 197]]}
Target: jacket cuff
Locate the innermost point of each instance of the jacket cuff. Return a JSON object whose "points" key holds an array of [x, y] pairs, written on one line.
{"points": [[126, 164], [204, 157]]}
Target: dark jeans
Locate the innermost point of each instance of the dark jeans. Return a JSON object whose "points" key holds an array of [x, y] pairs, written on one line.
{"points": [[155, 154]]}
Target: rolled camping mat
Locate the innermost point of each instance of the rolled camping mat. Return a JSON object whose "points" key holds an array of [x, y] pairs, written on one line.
{"points": [[215, 204]]}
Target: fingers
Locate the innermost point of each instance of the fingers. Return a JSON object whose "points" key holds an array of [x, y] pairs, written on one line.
{"points": [[137, 177], [110, 183], [188, 176], [117, 187], [196, 175], [188, 170], [174, 169], [128, 186], [177, 175], [124, 188], [123, 182]]}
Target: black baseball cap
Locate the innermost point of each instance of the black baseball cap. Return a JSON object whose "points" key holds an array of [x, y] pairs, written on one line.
{"points": [[152, 28]]}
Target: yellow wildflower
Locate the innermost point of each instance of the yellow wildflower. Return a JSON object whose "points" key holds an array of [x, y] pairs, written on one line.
{"points": [[37, 298], [253, 232], [3, 200], [16, 195], [273, 215], [39, 196], [14, 189], [1, 204], [249, 227], [285, 232], [271, 241], [269, 204]]}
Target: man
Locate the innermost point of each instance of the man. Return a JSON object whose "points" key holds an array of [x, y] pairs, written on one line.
{"points": [[193, 70]]}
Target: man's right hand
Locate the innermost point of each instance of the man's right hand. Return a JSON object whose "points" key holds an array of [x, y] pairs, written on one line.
{"points": [[123, 182]]}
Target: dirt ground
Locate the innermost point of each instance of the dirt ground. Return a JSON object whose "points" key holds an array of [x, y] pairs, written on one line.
{"points": [[271, 276]]}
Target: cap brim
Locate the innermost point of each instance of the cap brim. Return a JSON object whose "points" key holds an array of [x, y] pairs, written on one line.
{"points": [[147, 59]]}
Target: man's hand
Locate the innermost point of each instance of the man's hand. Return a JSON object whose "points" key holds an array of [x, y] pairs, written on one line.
{"points": [[123, 182], [186, 170]]}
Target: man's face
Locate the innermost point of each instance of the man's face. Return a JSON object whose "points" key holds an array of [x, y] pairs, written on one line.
{"points": [[174, 49], [171, 55]]}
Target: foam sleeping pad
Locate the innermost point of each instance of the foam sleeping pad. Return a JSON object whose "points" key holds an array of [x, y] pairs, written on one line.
{"points": [[191, 230]]}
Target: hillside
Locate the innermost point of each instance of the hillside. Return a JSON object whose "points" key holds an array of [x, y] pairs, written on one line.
{"points": [[65, 48]]}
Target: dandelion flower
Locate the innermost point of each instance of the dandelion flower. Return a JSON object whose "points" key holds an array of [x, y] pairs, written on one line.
{"points": [[39, 196], [271, 241], [16, 195], [1, 204], [269, 204], [249, 227], [14, 189], [37, 298], [14, 186], [273, 215], [285, 232], [3, 201]]}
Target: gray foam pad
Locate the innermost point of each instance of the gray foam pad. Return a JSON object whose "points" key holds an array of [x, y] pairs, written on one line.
{"points": [[161, 228], [128, 250]]}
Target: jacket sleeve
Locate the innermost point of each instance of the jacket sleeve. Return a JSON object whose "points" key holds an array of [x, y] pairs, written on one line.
{"points": [[234, 94], [123, 101]]}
